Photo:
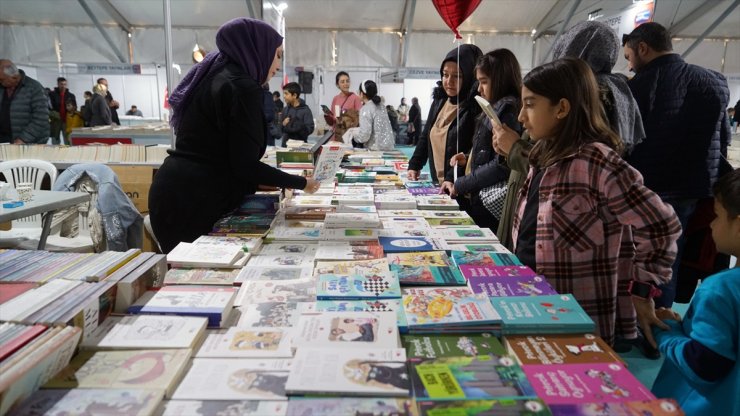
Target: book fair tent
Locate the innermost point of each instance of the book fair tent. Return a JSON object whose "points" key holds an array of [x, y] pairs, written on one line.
{"points": [[396, 42]]}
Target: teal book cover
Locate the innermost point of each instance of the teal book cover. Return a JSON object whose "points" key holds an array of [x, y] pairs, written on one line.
{"points": [[349, 287], [428, 275], [550, 314], [366, 305]]}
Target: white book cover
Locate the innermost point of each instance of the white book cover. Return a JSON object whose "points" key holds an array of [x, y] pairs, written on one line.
{"points": [[361, 267], [399, 213], [96, 401], [357, 209], [272, 314], [405, 223], [443, 214], [470, 233], [347, 234], [351, 220], [395, 202], [436, 202], [288, 248], [346, 330], [262, 291], [329, 161], [281, 260], [295, 234], [310, 201], [250, 273], [146, 331], [234, 379], [222, 407], [204, 255], [479, 247], [354, 199], [353, 190], [349, 250], [249, 244], [400, 232], [355, 372], [235, 342]]}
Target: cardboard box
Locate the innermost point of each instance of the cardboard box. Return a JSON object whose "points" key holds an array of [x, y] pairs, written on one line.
{"points": [[136, 181]]}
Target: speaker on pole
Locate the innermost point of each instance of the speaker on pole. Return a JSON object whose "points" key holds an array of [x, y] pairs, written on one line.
{"points": [[305, 79]]}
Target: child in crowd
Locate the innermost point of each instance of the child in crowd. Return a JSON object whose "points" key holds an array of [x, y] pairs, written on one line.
{"points": [[74, 120], [579, 194], [700, 370]]}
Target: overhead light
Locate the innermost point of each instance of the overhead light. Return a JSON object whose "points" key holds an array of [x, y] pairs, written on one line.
{"points": [[280, 7], [534, 32]]}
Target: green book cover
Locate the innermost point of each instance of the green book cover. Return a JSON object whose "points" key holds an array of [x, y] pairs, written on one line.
{"points": [[519, 406], [434, 346]]}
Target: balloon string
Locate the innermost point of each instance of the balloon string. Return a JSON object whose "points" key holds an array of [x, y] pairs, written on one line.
{"points": [[457, 112]]}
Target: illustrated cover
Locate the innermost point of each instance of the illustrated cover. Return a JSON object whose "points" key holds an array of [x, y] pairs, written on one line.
{"points": [[560, 349], [146, 331], [466, 378], [192, 255], [349, 250], [344, 406], [404, 223], [517, 406], [425, 190], [353, 199], [346, 330], [280, 233], [302, 213], [367, 305], [479, 258], [212, 302], [305, 249], [501, 271], [328, 163], [428, 275], [657, 407], [271, 314], [281, 260], [494, 286], [347, 234], [234, 379], [437, 202], [222, 408], [242, 224], [354, 286], [395, 202], [357, 209], [253, 342], [432, 307], [250, 273], [259, 204], [494, 247], [223, 277], [261, 291], [361, 267], [358, 372], [383, 213], [420, 258], [469, 234], [123, 369], [542, 314], [400, 232], [584, 383], [310, 201], [443, 214], [407, 244], [436, 222], [452, 345], [92, 401], [352, 220], [246, 244]]}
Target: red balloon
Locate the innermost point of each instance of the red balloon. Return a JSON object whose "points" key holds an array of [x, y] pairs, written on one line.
{"points": [[454, 12]]}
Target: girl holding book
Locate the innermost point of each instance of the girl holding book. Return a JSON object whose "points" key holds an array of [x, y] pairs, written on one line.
{"points": [[579, 194]]}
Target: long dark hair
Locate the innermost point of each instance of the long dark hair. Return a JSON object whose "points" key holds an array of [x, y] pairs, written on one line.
{"points": [[502, 68], [573, 80], [370, 89]]}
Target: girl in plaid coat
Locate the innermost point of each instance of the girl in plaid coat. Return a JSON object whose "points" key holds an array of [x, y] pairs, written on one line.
{"points": [[579, 194]]}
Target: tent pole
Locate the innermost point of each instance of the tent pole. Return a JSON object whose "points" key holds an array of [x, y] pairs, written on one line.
{"points": [[710, 28], [168, 54], [102, 31], [571, 12]]}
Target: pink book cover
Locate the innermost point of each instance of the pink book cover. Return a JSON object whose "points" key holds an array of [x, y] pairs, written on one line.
{"points": [[503, 271], [585, 383]]}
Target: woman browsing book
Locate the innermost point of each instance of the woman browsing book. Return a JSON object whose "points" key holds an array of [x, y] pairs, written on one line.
{"points": [[217, 117], [375, 128]]}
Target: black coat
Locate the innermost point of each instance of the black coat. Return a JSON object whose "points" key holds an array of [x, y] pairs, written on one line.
{"points": [[683, 109], [56, 100]]}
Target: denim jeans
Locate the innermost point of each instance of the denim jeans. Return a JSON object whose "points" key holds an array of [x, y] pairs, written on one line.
{"points": [[684, 209]]}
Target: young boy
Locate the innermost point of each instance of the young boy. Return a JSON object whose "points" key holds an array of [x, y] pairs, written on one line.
{"points": [[700, 369], [297, 117]]}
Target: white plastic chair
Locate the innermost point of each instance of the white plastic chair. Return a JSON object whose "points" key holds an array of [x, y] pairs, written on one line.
{"points": [[28, 171]]}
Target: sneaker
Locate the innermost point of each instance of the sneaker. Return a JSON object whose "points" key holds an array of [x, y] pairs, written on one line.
{"points": [[645, 348]]}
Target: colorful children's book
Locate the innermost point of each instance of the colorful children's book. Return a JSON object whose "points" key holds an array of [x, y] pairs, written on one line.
{"points": [[234, 379], [347, 234], [293, 248], [407, 244], [366, 305], [349, 250], [212, 302], [222, 407], [478, 258], [357, 372], [346, 330], [474, 271], [250, 273], [146, 331], [517, 406], [428, 275], [431, 308], [494, 286], [419, 258], [328, 163], [560, 349], [271, 314], [91, 401], [550, 314], [223, 277], [468, 378], [356, 286], [340, 406], [363, 267], [262, 291], [657, 407], [281, 260], [247, 343], [585, 383], [452, 345]]}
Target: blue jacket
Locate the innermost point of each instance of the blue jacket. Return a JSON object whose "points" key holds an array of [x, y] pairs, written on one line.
{"points": [[683, 111], [122, 222]]}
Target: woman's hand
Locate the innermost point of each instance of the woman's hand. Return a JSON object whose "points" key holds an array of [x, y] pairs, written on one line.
{"points": [[312, 185], [448, 188], [458, 160], [503, 138], [413, 174]]}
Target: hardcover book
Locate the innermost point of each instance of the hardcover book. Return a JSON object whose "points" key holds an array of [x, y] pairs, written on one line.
{"points": [[452, 345], [493, 286], [584, 383], [559, 314], [560, 349], [346, 330]]}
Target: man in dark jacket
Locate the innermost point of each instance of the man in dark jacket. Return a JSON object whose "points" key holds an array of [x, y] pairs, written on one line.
{"points": [[297, 117], [112, 104], [415, 121], [24, 111], [683, 112], [59, 98]]}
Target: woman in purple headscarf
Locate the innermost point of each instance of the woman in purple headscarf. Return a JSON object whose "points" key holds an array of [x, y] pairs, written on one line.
{"points": [[220, 128]]}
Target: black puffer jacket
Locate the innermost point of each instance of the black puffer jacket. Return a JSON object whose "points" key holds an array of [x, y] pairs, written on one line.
{"points": [[683, 111], [468, 108]]}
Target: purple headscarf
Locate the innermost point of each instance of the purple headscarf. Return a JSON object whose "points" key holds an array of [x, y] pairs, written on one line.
{"points": [[250, 43]]}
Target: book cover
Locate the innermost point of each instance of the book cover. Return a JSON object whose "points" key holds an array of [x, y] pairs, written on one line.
{"points": [[657, 407], [478, 258], [446, 305], [92, 401], [306, 249], [420, 258], [365, 305], [428, 275], [310, 201], [362, 267], [246, 244], [343, 406], [253, 342], [584, 383], [192, 255], [516, 406], [501, 271], [542, 314], [234, 379], [146, 331], [347, 234], [301, 213], [262, 291], [222, 408], [271, 314], [346, 330], [281, 260], [328, 163], [400, 232], [437, 202], [452, 345], [467, 234], [357, 209], [223, 277], [407, 244], [11, 290], [466, 378], [560, 349], [212, 302], [436, 222], [140, 369], [352, 220], [404, 223], [259, 204], [250, 273], [280, 233], [384, 213], [443, 214], [494, 286], [495, 247], [355, 286], [357, 372], [349, 250]]}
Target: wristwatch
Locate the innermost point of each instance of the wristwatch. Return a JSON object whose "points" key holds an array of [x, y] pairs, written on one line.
{"points": [[643, 290]]}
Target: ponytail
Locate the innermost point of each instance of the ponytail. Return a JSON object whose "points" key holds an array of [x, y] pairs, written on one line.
{"points": [[370, 89]]}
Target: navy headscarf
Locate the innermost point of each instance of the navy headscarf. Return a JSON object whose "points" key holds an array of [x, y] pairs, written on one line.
{"points": [[250, 43]]}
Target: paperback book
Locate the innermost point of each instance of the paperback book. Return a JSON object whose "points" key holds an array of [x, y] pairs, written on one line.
{"points": [[342, 406], [352, 220], [407, 244], [250, 273], [281, 260], [452, 345], [222, 407], [262, 291], [516, 406], [549, 314], [306, 249], [367, 305], [194, 255], [657, 407], [347, 234], [328, 163], [346, 330], [469, 258], [361, 267], [493, 286], [499, 271], [272, 314], [238, 342], [222, 277], [91, 401], [356, 286], [466, 234], [440, 307], [146, 331], [212, 302], [560, 349], [349, 250]]}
